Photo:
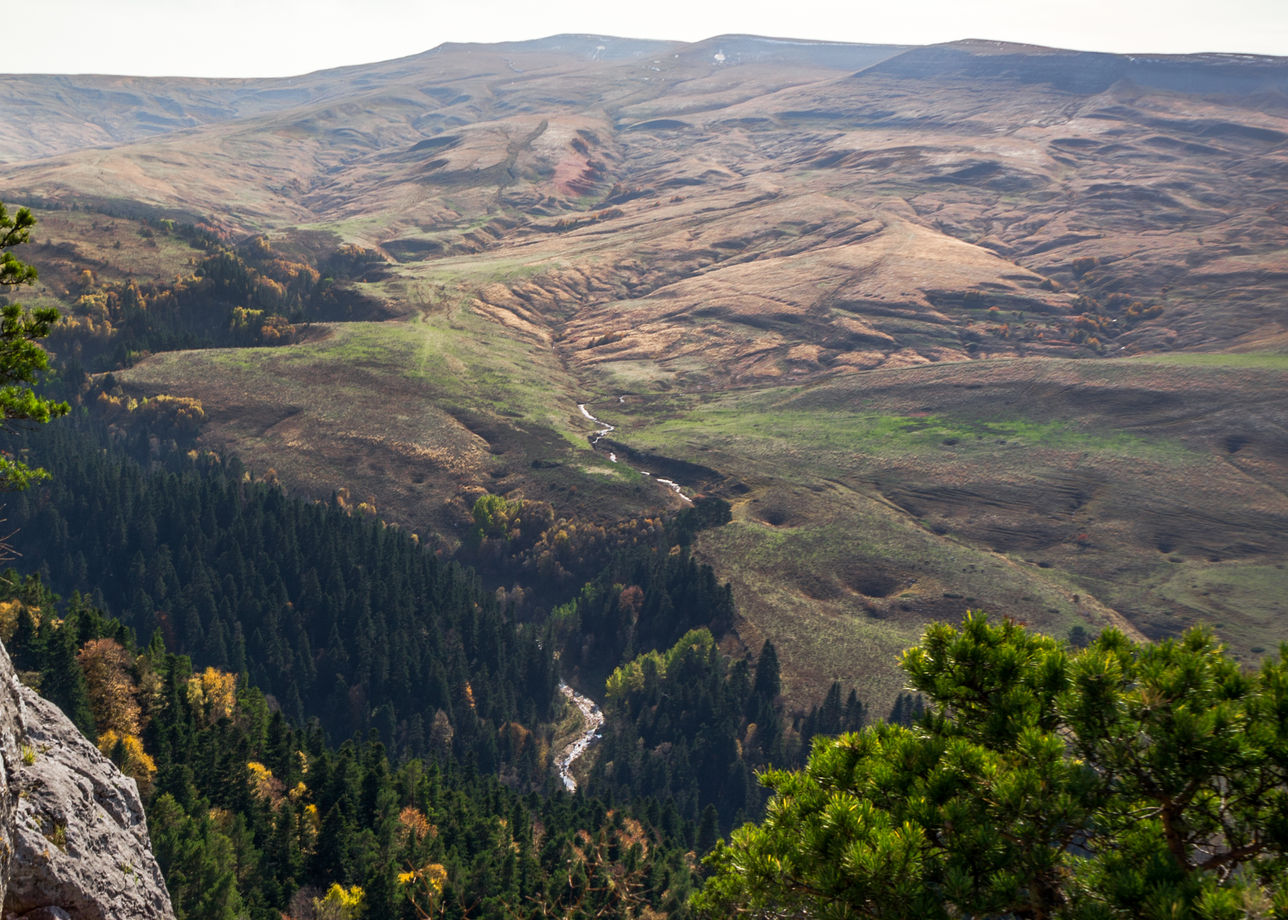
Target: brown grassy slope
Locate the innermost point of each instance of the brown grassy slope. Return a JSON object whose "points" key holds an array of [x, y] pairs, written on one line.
{"points": [[1158, 187]]}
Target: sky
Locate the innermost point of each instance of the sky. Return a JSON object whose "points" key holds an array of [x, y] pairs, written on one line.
{"points": [[260, 38]]}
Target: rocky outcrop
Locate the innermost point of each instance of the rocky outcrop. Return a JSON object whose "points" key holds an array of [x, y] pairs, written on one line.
{"points": [[74, 840]]}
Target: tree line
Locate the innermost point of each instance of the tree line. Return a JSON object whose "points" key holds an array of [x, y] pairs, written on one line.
{"points": [[249, 294]]}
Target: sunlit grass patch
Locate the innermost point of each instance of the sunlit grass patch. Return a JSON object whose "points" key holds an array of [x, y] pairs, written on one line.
{"points": [[1252, 360]]}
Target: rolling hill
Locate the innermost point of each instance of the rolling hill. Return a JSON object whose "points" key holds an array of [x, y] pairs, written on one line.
{"points": [[965, 325]]}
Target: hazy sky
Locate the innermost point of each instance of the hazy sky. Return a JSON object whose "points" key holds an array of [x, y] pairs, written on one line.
{"points": [[286, 37]]}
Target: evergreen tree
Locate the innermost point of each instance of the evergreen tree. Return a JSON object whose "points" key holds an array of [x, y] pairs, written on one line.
{"points": [[22, 360], [1044, 782]]}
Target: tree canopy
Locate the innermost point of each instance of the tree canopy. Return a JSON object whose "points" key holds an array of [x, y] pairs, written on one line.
{"points": [[1121, 780], [22, 359]]}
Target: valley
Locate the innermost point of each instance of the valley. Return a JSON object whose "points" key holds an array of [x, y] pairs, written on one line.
{"points": [[972, 325]]}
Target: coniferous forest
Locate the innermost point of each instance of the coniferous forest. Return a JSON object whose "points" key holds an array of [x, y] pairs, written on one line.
{"points": [[328, 719], [335, 616], [251, 816]]}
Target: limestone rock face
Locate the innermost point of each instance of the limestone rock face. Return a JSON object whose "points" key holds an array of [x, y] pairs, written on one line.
{"points": [[74, 825]]}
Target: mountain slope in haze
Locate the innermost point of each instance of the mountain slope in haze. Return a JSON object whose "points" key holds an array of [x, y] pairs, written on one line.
{"points": [[914, 311]]}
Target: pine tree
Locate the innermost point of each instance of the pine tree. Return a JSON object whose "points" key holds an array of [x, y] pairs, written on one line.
{"points": [[22, 360], [1044, 782]]}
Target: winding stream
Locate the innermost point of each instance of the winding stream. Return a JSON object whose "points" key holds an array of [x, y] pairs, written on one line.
{"points": [[598, 435], [592, 722], [592, 716], [603, 432]]}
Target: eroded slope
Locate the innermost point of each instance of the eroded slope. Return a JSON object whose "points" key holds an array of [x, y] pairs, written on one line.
{"points": [[784, 265]]}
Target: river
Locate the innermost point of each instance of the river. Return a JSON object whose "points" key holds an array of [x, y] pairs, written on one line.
{"points": [[592, 721]]}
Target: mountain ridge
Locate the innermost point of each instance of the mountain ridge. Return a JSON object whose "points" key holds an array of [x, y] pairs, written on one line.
{"points": [[223, 99]]}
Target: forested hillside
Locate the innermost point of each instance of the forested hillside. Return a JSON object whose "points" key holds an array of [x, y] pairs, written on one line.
{"points": [[697, 727], [337, 616], [251, 816], [324, 701]]}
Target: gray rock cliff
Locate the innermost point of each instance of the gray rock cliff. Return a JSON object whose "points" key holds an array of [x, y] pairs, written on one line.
{"points": [[73, 837], [11, 733]]}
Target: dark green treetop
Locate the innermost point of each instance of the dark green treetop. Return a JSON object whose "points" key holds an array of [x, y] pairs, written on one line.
{"points": [[1121, 780]]}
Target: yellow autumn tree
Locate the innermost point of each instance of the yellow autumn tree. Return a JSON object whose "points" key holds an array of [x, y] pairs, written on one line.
{"points": [[127, 752], [340, 903], [215, 692], [423, 887], [264, 785], [9, 611], [113, 693]]}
